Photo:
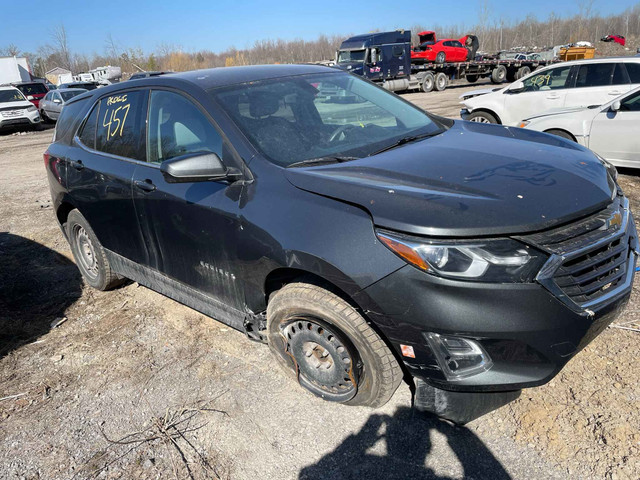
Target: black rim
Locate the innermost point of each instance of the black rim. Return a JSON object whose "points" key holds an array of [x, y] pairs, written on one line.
{"points": [[326, 363], [86, 254]]}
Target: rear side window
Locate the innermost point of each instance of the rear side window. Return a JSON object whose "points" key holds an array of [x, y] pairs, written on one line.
{"points": [[633, 69], [631, 103], [121, 123], [594, 75], [177, 127], [88, 133], [69, 117]]}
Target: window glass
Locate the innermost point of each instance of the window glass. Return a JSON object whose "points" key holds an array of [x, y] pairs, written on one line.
{"points": [[456, 43], [56, 96], [121, 124], [33, 88], [594, 75], [631, 103], [88, 133], [66, 96], [292, 119], [633, 69], [346, 56], [11, 95], [553, 79], [619, 75], [178, 127], [48, 96]]}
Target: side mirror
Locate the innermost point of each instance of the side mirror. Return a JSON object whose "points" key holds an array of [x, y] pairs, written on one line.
{"points": [[615, 106], [29, 97], [516, 87], [374, 55], [197, 167], [56, 100]]}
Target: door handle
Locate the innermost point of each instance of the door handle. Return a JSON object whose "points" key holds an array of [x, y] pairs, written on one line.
{"points": [[77, 164], [616, 93], [553, 96], [145, 185]]}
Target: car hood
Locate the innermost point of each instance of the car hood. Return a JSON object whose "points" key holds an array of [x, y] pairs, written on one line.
{"points": [[472, 180], [477, 93], [15, 105]]}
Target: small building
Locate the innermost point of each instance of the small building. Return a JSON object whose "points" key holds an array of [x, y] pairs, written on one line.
{"points": [[53, 74]]}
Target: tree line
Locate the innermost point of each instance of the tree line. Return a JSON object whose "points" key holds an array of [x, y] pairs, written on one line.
{"points": [[494, 32]]}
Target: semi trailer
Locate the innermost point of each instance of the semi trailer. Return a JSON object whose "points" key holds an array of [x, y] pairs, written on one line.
{"points": [[385, 57]]}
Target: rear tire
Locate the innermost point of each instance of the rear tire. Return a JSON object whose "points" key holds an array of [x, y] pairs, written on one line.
{"points": [[499, 74], [561, 133], [89, 254], [441, 57], [428, 82], [511, 75], [310, 327], [482, 117], [522, 72], [441, 81]]}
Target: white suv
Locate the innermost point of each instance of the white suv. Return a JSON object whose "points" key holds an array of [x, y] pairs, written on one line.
{"points": [[568, 84], [16, 110]]}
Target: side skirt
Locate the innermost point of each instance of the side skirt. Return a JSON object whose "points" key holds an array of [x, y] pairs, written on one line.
{"points": [[178, 291]]}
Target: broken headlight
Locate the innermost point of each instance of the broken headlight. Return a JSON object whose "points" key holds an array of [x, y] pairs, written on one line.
{"points": [[500, 260]]}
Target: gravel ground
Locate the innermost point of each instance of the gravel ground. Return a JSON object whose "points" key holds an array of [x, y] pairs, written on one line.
{"points": [[129, 384]]}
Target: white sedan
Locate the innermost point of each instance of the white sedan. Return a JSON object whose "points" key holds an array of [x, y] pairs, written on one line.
{"points": [[611, 130]]}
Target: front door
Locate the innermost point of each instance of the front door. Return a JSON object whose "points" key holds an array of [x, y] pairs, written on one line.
{"points": [[614, 133], [191, 227]]}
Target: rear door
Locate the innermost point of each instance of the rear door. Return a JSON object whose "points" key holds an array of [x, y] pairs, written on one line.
{"points": [[191, 227], [614, 135], [107, 148], [597, 84]]}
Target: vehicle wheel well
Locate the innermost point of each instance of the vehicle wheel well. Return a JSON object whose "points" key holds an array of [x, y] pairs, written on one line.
{"points": [[491, 112], [552, 130], [63, 212]]}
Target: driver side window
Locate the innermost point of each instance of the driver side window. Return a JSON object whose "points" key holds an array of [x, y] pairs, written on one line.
{"points": [[177, 127], [554, 79]]}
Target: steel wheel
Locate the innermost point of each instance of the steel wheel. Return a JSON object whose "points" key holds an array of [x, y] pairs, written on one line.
{"points": [[327, 365], [86, 252]]}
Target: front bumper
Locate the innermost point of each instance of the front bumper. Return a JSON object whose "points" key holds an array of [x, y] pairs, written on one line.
{"points": [[26, 119], [530, 331]]}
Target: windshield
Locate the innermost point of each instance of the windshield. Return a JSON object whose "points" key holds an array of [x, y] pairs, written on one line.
{"points": [[347, 56], [33, 88], [292, 119], [11, 96], [66, 96]]}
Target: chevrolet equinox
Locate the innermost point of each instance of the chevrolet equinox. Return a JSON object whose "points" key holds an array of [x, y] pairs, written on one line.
{"points": [[363, 239]]}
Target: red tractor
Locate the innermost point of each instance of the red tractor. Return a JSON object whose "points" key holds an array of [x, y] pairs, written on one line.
{"points": [[430, 49]]}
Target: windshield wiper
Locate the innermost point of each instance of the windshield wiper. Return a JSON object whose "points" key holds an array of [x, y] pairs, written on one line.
{"points": [[404, 141], [321, 160]]}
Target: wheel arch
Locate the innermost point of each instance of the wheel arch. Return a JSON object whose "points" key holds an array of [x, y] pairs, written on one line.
{"points": [[63, 210], [489, 111], [551, 130]]}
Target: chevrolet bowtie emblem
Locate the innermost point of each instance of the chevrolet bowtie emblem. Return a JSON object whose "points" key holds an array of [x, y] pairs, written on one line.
{"points": [[615, 220]]}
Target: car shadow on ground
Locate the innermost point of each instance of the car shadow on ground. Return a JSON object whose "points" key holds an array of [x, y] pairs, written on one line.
{"points": [[8, 131], [408, 437], [37, 285]]}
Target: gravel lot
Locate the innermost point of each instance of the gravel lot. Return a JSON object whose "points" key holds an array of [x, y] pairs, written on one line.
{"points": [[130, 384]]}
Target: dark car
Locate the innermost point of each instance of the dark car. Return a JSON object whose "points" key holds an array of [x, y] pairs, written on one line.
{"points": [[362, 241], [34, 91], [85, 85], [139, 75]]}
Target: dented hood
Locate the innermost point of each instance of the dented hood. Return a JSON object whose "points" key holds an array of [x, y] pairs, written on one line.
{"points": [[472, 180]]}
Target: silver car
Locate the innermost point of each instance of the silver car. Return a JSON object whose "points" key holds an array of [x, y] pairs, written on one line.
{"points": [[52, 103]]}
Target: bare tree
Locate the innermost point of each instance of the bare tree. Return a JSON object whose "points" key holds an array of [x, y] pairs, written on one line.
{"points": [[60, 43], [10, 50]]}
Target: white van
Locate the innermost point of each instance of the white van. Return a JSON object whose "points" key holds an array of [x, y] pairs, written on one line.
{"points": [[569, 84]]}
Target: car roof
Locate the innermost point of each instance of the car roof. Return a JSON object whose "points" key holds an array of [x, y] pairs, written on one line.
{"points": [[601, 60], [7, 87], [72, 90], [223, 76]]}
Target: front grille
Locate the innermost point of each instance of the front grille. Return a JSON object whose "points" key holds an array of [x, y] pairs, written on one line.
{"points": [[590, 259]]}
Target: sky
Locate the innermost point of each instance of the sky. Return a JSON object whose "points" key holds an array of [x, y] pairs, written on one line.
{"points": [[217, 25]]}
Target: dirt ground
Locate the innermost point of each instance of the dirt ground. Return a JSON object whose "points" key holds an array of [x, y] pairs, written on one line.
{"points": [[129, 384]]}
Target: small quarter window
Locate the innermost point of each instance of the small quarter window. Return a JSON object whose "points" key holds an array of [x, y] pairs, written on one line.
{"points": [[120, 127], [633, 69], [398, 50], [88, 133]]}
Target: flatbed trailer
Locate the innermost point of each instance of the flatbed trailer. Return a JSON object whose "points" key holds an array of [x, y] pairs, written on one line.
{"points": [[385, 58]]}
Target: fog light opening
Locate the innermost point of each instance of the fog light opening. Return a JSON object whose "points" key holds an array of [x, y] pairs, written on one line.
{"points": [[458, 357]]}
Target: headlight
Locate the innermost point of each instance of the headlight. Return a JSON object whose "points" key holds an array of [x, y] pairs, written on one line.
{"points": [[523, 124], [609, 166], [500, 260], [31, 108]]}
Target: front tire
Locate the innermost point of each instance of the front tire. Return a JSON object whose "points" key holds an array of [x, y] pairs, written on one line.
{"points": [[482, 117], [329, 347], [89, 254], [561, 133]]}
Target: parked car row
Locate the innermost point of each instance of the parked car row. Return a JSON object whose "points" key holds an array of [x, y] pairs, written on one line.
{"points": [[593, 102]]}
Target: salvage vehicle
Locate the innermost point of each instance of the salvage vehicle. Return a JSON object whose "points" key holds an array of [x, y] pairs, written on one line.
{"points": [[34, 91], [52, 103], [610, 130], [619, 39], [387, 58], [430, 49], [16, 110], [570, 84], [363, 242]]}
